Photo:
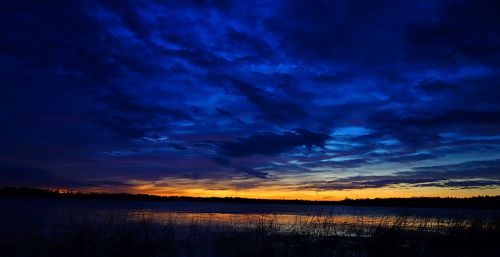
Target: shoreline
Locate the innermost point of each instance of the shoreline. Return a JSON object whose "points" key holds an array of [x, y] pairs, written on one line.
{"points": [[478, 202]]}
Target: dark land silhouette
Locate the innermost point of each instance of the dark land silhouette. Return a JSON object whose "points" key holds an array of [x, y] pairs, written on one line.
{"points": [[478, 202]]}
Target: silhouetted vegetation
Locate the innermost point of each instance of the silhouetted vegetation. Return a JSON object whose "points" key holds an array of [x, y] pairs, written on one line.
{"points": [[86, 236], [478, 202]]}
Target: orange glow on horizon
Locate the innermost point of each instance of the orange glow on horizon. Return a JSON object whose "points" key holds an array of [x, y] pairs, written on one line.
{"points": [[278, 192]]}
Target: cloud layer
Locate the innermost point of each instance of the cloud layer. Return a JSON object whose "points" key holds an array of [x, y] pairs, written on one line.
{"points": [[343, 95]]}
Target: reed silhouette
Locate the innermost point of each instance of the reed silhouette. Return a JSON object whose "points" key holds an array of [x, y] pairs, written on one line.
{"points": [[80, 235]]}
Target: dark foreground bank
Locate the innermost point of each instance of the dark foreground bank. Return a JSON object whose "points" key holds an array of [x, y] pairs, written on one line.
{"points": [[85, 236]]}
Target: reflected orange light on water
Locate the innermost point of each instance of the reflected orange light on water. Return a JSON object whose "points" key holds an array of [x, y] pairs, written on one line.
{"points": [[250, 219], [324, 223]]}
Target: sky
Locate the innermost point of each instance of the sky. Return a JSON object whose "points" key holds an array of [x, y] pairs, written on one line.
{"points": [[317, 100]]}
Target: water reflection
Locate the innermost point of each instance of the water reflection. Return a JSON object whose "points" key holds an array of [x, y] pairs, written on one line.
{"points": [[321, 224], [219, 216], [244, 219]]}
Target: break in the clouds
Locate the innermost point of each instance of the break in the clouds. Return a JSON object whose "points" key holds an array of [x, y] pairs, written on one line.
{"points": [[321, 95], [464, 175]]}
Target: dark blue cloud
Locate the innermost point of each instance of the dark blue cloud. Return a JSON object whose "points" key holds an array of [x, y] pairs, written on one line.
{"points": [[20, 176], [272, 143], [145, 90], [462, 34], [273, 107], [253, 172]]}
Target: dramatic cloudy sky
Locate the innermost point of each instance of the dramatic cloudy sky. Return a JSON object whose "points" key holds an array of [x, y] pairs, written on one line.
{"points": [[279, 99]]}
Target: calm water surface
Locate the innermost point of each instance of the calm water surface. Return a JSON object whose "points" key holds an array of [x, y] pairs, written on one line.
{"points": [[46, 212]]}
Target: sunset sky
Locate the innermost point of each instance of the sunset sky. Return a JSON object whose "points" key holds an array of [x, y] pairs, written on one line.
{"points": [[264, 99]]}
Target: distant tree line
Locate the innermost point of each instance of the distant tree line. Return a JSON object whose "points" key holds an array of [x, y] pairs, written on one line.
{"points": [[477, 202]]}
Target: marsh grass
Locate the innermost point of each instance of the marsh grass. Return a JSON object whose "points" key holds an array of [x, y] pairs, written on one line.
{"points": [[80, 235]]}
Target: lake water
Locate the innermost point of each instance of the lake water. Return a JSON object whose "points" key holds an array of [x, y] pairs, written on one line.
{"points": [[17, 213]]}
